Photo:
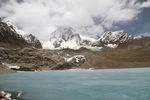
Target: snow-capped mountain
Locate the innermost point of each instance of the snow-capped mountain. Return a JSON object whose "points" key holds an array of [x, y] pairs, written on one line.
{"points": [[29, 38], [64, 37], [113, 39], [11, 36], [67, 37], [128, 51]]}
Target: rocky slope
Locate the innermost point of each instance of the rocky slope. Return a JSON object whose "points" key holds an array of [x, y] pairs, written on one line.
{"points": [[34, 59], [112, 50], [32, 40], [128, 55], [11, 37], [29, 38]]}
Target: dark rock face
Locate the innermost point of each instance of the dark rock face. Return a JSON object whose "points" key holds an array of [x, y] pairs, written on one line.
{"points": [[98, 43], [33, 41], [86, 43], [23, 69], [10, 39]]}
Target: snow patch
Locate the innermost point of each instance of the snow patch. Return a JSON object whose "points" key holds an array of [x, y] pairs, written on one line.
{"points": [[11, 67], [112, 45], [14, 67], [138, 37], [76, 57]]}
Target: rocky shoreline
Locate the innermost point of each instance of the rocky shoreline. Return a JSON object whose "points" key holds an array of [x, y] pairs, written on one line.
{"points": [[7, 95], [3, 96]]}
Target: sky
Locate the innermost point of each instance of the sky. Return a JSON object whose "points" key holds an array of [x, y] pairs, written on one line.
{"points": [[89, 17]]}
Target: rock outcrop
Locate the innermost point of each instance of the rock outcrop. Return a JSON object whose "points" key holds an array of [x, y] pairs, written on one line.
{"points": [[76, 60], [7, 95], [33, 41]]}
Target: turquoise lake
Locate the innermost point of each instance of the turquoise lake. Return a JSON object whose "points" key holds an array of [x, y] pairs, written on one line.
{"points": [[107, 84]]}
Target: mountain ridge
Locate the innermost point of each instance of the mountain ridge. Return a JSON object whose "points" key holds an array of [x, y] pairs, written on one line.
{"points": [[112, 50], [65, 36], [12, 37]]}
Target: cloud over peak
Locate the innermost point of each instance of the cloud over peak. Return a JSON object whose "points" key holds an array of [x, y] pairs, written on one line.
{"points": [[41, 17]]}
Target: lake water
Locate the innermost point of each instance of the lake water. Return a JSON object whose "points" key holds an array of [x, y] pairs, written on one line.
{"points": [[109, 84]]}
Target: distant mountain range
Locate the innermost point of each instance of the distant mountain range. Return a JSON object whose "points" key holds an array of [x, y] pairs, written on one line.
{"points": [[67, 49], [67, 37], [62, 38]]}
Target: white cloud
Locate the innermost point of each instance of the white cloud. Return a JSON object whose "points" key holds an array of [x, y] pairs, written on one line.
{"points": [[145, 34], [144, 4], [41, 17]]}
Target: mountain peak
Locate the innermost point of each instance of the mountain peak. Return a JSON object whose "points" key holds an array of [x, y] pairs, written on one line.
{"points": [[115, 37], [65, 37], [65, 33], [13, 34]]}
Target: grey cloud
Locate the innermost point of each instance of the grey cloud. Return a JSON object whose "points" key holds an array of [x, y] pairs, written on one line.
{"points": [[41, 17]]}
